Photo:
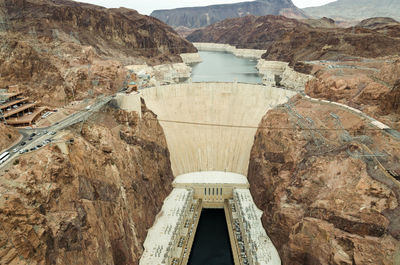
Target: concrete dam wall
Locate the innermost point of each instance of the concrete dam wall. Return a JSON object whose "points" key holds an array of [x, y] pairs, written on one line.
{"points": [[209, 126]]}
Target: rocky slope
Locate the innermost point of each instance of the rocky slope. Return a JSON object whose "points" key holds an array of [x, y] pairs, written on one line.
{"points": [[291, 40], [325, 201], [59, 51], [198, 17], [8, 135], [372, 86], [90, 201], [356, 9]]}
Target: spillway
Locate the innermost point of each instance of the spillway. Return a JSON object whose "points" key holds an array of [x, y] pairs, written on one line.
{"points": [[211, 126]]}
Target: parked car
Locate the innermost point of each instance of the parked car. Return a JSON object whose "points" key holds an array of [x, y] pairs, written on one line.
{"points": [[23, 143], [15, 150]]}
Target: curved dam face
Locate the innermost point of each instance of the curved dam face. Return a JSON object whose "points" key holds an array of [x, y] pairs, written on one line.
{"points": [[211, 126]]}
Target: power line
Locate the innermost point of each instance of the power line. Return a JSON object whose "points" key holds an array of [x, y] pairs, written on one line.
{"points": [[260, 127]]}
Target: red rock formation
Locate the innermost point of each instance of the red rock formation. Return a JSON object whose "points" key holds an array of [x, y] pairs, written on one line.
{"points": [[322, 203], [291, 40], [371, 86], [60, 51], [90, 201]]}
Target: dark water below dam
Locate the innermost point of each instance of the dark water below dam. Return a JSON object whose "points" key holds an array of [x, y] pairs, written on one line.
{"points": [[225, 67], [211, 244]]}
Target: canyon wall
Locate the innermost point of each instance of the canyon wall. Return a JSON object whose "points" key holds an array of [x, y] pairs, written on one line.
{"points": [[198, 17], [326, 197], [90, 200], [61, 51], [372, 86], [291, 40], [356, 9]]}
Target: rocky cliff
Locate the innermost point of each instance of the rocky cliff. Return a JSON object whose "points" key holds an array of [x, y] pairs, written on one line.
{"points": [[198, 17], [356, 9], [8, 135], [291, 40], [326, 198], [59, 51], [89, 201], [372, 86]]}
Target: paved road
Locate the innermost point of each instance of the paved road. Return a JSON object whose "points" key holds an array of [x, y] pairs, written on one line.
{"points": [[42, 134]]}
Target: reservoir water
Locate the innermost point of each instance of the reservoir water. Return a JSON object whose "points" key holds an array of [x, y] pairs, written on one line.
{"points": [[211, 245], [225, 67]]}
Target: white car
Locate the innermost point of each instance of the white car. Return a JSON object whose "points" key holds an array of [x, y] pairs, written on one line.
{"points": [[15, 150]]}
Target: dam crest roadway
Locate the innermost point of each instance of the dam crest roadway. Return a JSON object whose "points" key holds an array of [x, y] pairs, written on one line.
{"points": [[210, 129]]}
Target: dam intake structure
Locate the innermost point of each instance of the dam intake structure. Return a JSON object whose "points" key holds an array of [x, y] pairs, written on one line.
{"points": [[210, 129]]}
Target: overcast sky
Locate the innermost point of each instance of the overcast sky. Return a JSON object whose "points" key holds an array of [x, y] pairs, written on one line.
{"points": [[147, 6]]}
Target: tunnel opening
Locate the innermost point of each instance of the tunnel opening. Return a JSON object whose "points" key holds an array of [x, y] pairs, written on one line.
{"points": [[211, 244]]}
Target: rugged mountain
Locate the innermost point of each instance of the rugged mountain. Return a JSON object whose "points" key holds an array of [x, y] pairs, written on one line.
{"points": [[291, 40], [198, 17], [326, 199], [356, 9], [320, 23], [377, 22], [59, 51], [90, 201]]}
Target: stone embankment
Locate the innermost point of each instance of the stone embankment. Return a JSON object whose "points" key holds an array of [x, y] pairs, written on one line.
{"points": [[274, 73], [277, 73], [161, 74], [190, 58], [246, 53], [171, 73]]}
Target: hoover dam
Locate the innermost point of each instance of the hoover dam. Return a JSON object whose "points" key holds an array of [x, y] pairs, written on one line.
{"points": [[210, 130], [211, 126]]}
